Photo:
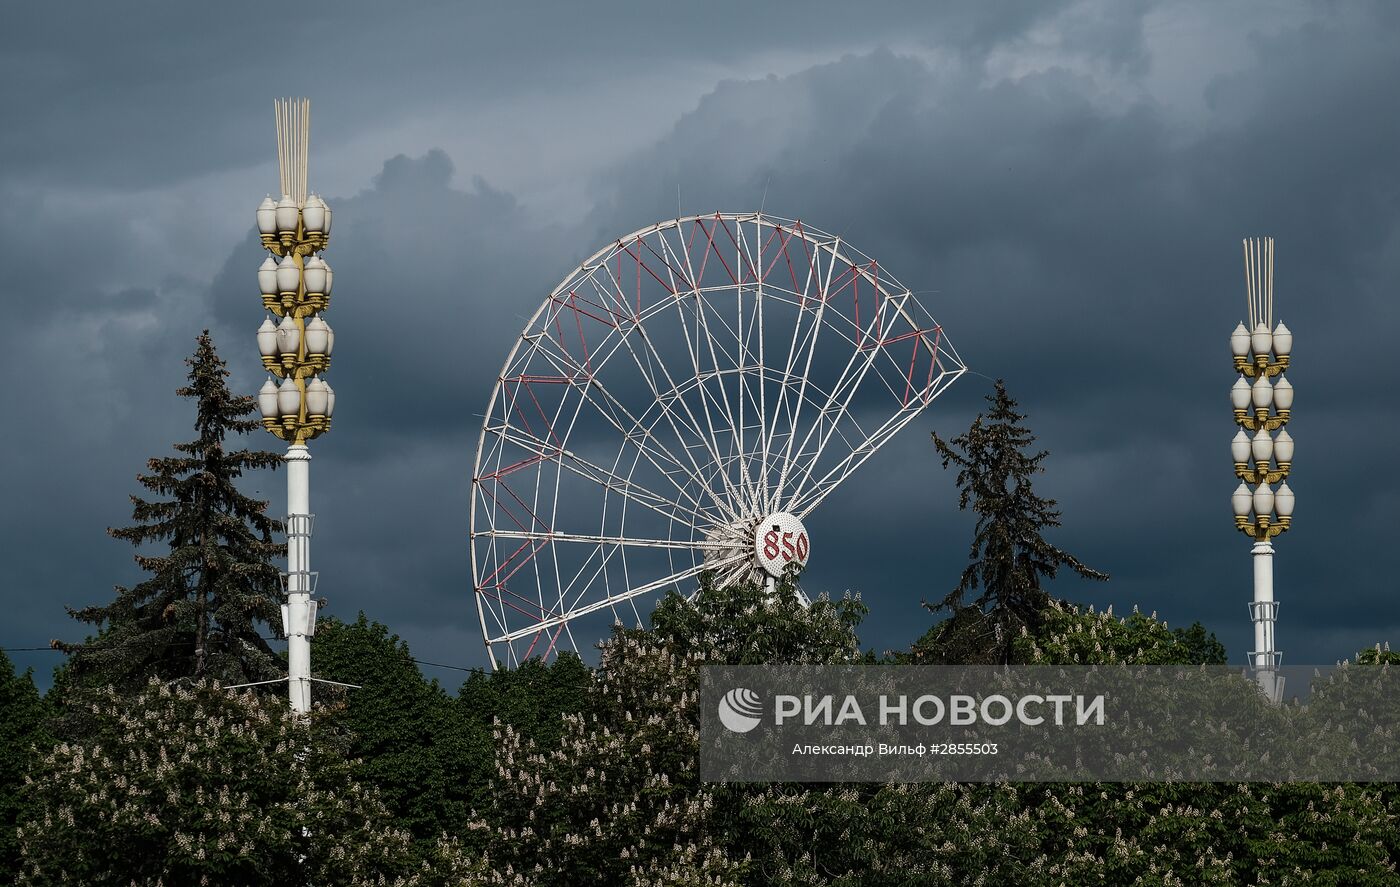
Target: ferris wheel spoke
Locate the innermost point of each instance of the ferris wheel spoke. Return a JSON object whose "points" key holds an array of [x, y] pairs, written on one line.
{"points": [[694, 298], [783, 409], [801, 348], [676, 423], [716, 374], [807, 499], [640, 435], [577, 587], [611, 481], [768, 430], [823, 291], [586, 539], [703, 394], [593, 392], [760, 480], [835, 407], [735, 573], [744, 357], [867, 448], [754, 380], [737, 365], [692, 346], [535, 611], [793, 389], [740, 451], [912, 401], [615, 599], [741, 358]]}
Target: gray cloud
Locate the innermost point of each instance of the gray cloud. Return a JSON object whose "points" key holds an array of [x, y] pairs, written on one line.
{"points": [[164, 94], [1073, 231]]}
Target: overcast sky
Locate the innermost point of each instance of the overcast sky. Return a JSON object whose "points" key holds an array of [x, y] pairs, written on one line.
{"points": [[1064, 183]]}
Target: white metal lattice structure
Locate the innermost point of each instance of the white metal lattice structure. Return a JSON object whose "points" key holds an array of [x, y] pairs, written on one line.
{"points": [[678, 388]]}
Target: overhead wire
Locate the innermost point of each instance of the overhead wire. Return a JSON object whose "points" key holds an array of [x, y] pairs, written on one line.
{"points": [[465, 668]]}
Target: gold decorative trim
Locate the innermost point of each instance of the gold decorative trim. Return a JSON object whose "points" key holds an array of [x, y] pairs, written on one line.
{"points": [[299, 305]]}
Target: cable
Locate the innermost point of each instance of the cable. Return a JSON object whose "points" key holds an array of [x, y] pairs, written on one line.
{"points": [[475, 669], [471, 669]]}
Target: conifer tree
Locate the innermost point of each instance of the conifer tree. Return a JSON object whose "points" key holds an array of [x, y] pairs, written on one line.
{"points": [[24, 738], [1009, 555], [198, 614]]}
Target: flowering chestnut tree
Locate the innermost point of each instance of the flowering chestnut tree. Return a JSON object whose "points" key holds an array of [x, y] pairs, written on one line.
{"points": [[200, 785], [618, 799]]}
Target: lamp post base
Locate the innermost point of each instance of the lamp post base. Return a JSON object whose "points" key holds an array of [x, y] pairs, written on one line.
{"points": [[1263, 612]]}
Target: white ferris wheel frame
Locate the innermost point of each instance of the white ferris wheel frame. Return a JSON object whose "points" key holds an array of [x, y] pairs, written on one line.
{"points": [[708, 432]]}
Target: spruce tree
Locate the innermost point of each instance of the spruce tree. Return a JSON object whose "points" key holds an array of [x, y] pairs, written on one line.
{"points": [[198, 614], [1009, 557], [24, 738]]}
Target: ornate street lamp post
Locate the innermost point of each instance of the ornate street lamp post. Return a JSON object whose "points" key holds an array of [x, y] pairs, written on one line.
{"points": [[1261, 459], [296, 288]]}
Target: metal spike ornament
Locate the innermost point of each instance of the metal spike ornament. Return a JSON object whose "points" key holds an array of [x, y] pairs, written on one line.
{"points": [[1261, 458], [295, 283]]}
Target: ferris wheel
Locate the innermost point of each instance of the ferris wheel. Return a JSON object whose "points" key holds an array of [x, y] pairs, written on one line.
{"points": [[679, 404]]}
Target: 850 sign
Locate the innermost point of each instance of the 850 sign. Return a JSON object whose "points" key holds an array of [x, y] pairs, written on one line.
{"points": [[780, 540]]}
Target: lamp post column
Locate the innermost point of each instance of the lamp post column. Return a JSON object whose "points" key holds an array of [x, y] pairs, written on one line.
{"points": [[300, 618], [1262, 606], [1260, 408], [295, 283]]}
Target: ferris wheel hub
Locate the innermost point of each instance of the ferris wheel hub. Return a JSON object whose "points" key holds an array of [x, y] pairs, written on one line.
{"points": [[780, 540]]}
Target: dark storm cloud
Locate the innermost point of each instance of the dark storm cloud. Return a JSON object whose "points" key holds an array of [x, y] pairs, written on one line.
{"points": [[1072, 230], [131, 96]]}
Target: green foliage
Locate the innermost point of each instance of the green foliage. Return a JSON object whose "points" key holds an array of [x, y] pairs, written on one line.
{"points": [[448, 863], [1063, 633], [617, 798], [968, 636], [864, 834], [198, 614], [743, 625], [1226, 834], [200, 785], [1009, 556], [1068, 635], [1196, 646], [533, 699], [1045, 835], [23, 737], [431, 757], [1326, 835], [409, 735], [1380, 654]]}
